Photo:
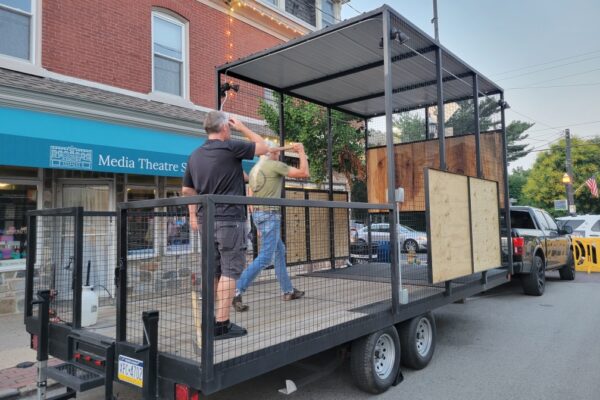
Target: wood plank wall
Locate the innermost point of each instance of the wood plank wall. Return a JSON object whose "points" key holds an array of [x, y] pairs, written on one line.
{"points": [[412, 158]]}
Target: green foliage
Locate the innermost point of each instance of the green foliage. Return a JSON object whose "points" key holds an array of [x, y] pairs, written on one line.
{"points": [[408, 127], [463, 122], [515, 134], [544, 183], [307, 123], [516, 182]]}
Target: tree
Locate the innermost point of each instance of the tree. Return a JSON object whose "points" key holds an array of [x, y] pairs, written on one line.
{"points": [[409, 127], [462, 120], [307, 123], [514, 135], [544, 183], [516, 182]]}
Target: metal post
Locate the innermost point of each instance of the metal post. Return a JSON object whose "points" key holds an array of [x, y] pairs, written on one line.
{"points": [[208, 289], [435, 21], [150, 321], [391, 167], [282, 158], [369, 236], [570, 197], [477, 126], [427, 134], [330, 188], [121, 275], [218, 89], [506, 193], [31, 251], [440, 108], [78, 262], [43, 301]]}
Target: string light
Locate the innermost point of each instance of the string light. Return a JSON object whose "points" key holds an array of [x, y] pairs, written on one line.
{"points": [[241, 4]]}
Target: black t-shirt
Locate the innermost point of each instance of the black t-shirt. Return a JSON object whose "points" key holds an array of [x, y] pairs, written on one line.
{"points": [[216, 168]]}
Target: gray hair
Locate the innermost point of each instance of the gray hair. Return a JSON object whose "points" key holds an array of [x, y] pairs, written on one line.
{"points": [[214, 121]]}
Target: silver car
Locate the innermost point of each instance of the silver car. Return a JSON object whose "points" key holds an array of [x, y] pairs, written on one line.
{"points": [[411, 239]]}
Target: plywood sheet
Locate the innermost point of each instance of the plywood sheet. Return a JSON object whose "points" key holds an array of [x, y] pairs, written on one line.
{"points": [[319, 228], [449, 227], [411, 159], [485, 224], [295, 229]]}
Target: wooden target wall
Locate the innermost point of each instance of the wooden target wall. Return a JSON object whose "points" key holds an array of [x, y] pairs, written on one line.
{"points": [[412, 158], [463, 225]]}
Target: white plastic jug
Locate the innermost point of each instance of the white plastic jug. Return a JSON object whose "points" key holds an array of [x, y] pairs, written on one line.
{"points": [[89, 306]]}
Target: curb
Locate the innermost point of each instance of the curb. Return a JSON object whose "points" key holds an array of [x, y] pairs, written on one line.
{"points": [[32, 389]]}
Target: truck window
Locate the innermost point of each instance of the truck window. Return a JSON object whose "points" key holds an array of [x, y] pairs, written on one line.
{"points": [[521, 219], [573, 223], [596, 227], [541, 220], [550, 221]]}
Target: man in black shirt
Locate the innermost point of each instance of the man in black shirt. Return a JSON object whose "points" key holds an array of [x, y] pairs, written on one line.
{"points": [[216, 168]]}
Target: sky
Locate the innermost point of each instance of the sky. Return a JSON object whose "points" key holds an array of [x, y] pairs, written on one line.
{"points": [[544, 54]]}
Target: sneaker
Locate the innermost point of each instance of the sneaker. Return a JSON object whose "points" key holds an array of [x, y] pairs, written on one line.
{"points": [[238, 305], [296, 294], [229, 331]]}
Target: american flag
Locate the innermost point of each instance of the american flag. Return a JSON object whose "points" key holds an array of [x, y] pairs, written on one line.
{"points": [[591, 183]]}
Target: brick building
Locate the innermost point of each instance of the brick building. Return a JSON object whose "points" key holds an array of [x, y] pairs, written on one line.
{"points": [[102, 101]]}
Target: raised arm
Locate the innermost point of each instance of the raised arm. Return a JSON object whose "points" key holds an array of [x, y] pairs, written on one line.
{"points": [[261, 146], [303, 171]]}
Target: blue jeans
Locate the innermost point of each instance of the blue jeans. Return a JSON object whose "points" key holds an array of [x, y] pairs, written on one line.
{"points": [[272, 252]]}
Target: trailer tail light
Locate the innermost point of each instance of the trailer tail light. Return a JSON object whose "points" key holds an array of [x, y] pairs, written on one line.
{"points": [[183, 392], [518, 246]]}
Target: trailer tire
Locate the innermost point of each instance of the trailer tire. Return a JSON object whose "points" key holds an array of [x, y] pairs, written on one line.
{"points": [[375, 360], [417, 340], [567, 272], [534, 283]]}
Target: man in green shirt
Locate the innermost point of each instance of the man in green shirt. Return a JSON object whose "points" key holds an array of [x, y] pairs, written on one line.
{"points": [[266, 180]]}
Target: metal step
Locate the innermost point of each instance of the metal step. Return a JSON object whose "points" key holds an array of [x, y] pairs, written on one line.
{"points": [[75, 377]]}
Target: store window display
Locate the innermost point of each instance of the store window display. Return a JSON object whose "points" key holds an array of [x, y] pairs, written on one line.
{"points": [[15, 201]]}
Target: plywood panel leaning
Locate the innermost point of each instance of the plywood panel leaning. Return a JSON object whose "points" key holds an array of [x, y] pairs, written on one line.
{"points": [[448, 225], [485, 224]]}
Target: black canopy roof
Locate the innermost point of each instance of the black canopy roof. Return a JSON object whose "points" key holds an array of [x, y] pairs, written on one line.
{"points": [[342, 67]]}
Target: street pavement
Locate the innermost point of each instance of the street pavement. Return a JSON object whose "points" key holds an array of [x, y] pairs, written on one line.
{"points": [[499, 345]]}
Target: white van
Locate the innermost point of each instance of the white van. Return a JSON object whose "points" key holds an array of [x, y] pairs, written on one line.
{"points": [[583, 225]]}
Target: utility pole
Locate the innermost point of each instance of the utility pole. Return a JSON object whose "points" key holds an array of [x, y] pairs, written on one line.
{"points": [[434, 21], [570, 198]]}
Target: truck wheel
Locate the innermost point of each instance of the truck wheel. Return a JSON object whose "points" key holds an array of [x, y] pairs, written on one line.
{"points": [[567, 273], [375, 360], [417, 340], [535, 282]]}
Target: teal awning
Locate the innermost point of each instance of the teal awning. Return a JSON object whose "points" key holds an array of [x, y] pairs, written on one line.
{"points": [[45, 140]]}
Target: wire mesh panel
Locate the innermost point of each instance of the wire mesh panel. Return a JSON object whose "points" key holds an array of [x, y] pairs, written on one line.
{"points": [[54, 264]]}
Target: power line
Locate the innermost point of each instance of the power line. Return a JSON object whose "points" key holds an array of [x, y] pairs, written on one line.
{"points": [[548, 68], [546, 63], [554, 86], [568, 76]]}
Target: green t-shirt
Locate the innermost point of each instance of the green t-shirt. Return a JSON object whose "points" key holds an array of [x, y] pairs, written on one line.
{"points": [[266, 180]]}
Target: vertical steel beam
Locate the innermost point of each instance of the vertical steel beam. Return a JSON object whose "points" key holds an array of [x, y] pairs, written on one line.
{"points": [[282, 159], [427, 123], [218, 90], [31, 252], [505, 183], [440, 108], [330, 187], [369, 236], [121, 275], [208, 289], [391, 166], [78, 266], [477, 126]]}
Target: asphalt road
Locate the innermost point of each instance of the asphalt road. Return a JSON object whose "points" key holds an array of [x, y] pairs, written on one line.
{"points": [[499, 345]]}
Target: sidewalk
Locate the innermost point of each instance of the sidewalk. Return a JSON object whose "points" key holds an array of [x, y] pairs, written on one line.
{"points": [[14, 349]]}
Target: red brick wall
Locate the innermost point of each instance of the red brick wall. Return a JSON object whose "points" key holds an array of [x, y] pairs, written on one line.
{"points": [[109, 42]]}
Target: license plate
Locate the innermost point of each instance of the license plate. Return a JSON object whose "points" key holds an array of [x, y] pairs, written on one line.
{"points": [[131, 371]]}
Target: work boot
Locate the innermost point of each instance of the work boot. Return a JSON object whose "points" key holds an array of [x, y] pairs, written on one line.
{"points": [[228, 330], [238, 305], [296, 294]]}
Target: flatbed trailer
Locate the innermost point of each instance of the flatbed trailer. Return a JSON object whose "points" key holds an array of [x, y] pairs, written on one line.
{"points": [[154, 325]]}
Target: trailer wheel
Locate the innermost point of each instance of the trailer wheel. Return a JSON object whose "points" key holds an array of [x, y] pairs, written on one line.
{"points": [[567, 273], [375, 360], [534, 283], [417, 339]]}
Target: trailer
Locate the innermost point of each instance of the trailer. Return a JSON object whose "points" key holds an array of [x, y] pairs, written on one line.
{"points": [[151, 322]]}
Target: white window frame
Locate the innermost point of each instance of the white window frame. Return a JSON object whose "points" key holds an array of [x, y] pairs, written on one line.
{"points": [[168, 17], [280, 8], [321, 13], [33, 64]]}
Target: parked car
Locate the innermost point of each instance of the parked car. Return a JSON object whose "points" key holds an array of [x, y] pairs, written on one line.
{"points": [[411, 239], [355, 226], [539, 245], [582, 225]]}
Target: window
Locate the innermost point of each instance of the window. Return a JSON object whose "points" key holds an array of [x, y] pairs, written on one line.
{"points": [[16, 28], [168, 54], [596, 227], [302, 9], [521, 219], [550, 221], [327, 13], [541, 220], [15, 201], [140, 232], [178, 227]]}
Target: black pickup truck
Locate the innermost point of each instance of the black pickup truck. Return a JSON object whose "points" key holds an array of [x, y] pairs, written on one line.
{"points": [[539, 245]]}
